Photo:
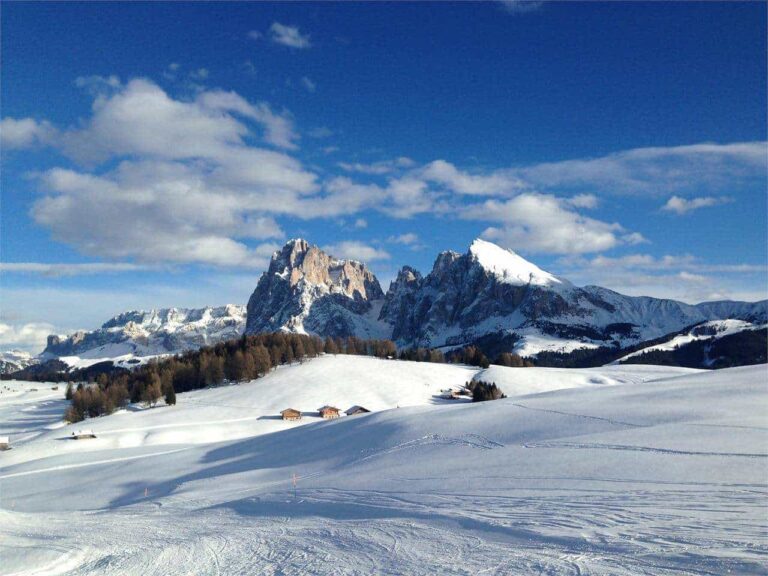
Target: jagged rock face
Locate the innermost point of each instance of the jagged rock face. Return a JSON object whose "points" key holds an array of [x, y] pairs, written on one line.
{"points": [[455, 301], [307, 290], [153, 332]]}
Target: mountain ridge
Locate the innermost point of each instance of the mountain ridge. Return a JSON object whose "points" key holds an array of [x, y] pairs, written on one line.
{"points": [[488, 296]]}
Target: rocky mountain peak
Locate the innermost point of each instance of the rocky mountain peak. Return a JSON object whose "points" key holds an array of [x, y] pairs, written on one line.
{"points": [[307, 289]]}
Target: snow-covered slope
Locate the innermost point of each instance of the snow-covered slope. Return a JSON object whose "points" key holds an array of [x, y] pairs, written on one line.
{"points": [[663, 475], [508, 267], [712, 330]]}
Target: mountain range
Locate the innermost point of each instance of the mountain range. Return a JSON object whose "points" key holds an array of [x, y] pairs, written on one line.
{"points": [[488, 296]]}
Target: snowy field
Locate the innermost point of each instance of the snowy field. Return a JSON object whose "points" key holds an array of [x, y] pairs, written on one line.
{"points": [[615, 470]]}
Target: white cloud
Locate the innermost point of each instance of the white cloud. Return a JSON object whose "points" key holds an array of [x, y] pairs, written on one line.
{"points": [[583, 201], [655, 170], [189, 186], [25, 133], [279, 128], [154, 212], [30, 337], [682, 206], [76, 269], [353, 250], [320, 132], [494, 184], [308, 84], [361, 223], [521, 6], [681, 277], [254, 34], [378, 168], [544, 223], [288, 36], [97, 85], [409, 238]]}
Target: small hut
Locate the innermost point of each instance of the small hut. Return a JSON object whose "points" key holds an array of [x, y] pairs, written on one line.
{"points": [[357, 410], [5, 442], [83, 434], [290, 414], [329, 412]]}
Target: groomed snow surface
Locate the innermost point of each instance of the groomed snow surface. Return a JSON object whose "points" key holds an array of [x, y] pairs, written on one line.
{"points": [[615, 470]]}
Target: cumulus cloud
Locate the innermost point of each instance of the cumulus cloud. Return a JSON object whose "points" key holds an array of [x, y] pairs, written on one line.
{"points": [[142, 119], [544, 223], [31, 337], [288, 36], [153, 211], [187, 186], [682, 206], [19, 134], [353, 250]]}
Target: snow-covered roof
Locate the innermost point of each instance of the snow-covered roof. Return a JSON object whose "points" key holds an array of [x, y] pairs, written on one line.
{"points": [[508, 266]]}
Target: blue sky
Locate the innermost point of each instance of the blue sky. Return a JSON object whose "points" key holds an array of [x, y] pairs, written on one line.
{"points": [[156, 154]]}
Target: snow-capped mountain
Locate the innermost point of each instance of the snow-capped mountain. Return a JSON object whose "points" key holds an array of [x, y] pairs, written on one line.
{"points": [[147, 333], [14, 360], [488, 295], [307, 291]]}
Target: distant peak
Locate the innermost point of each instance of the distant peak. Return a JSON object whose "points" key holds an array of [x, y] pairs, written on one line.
{"points": [[508, 266]]}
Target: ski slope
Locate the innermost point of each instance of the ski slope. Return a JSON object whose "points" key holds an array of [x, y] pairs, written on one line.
{"points": [[616, 470]]}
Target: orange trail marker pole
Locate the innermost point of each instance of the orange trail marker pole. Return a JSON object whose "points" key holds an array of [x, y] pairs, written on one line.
{"points": [[294, 486]]}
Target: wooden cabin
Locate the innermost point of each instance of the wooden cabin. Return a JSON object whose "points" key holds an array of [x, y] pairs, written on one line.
{"points": [[290, 414], [83, 434], [329, 412], [357, 410], [5, 442]]}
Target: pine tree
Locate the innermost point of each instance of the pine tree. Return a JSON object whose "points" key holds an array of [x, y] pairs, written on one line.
{"points": [[153, 391], [330, 346], [170, 395]]}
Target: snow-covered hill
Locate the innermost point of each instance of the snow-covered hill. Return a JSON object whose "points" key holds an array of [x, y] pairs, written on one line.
{"points": [[631, 470], [713, 330]]}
